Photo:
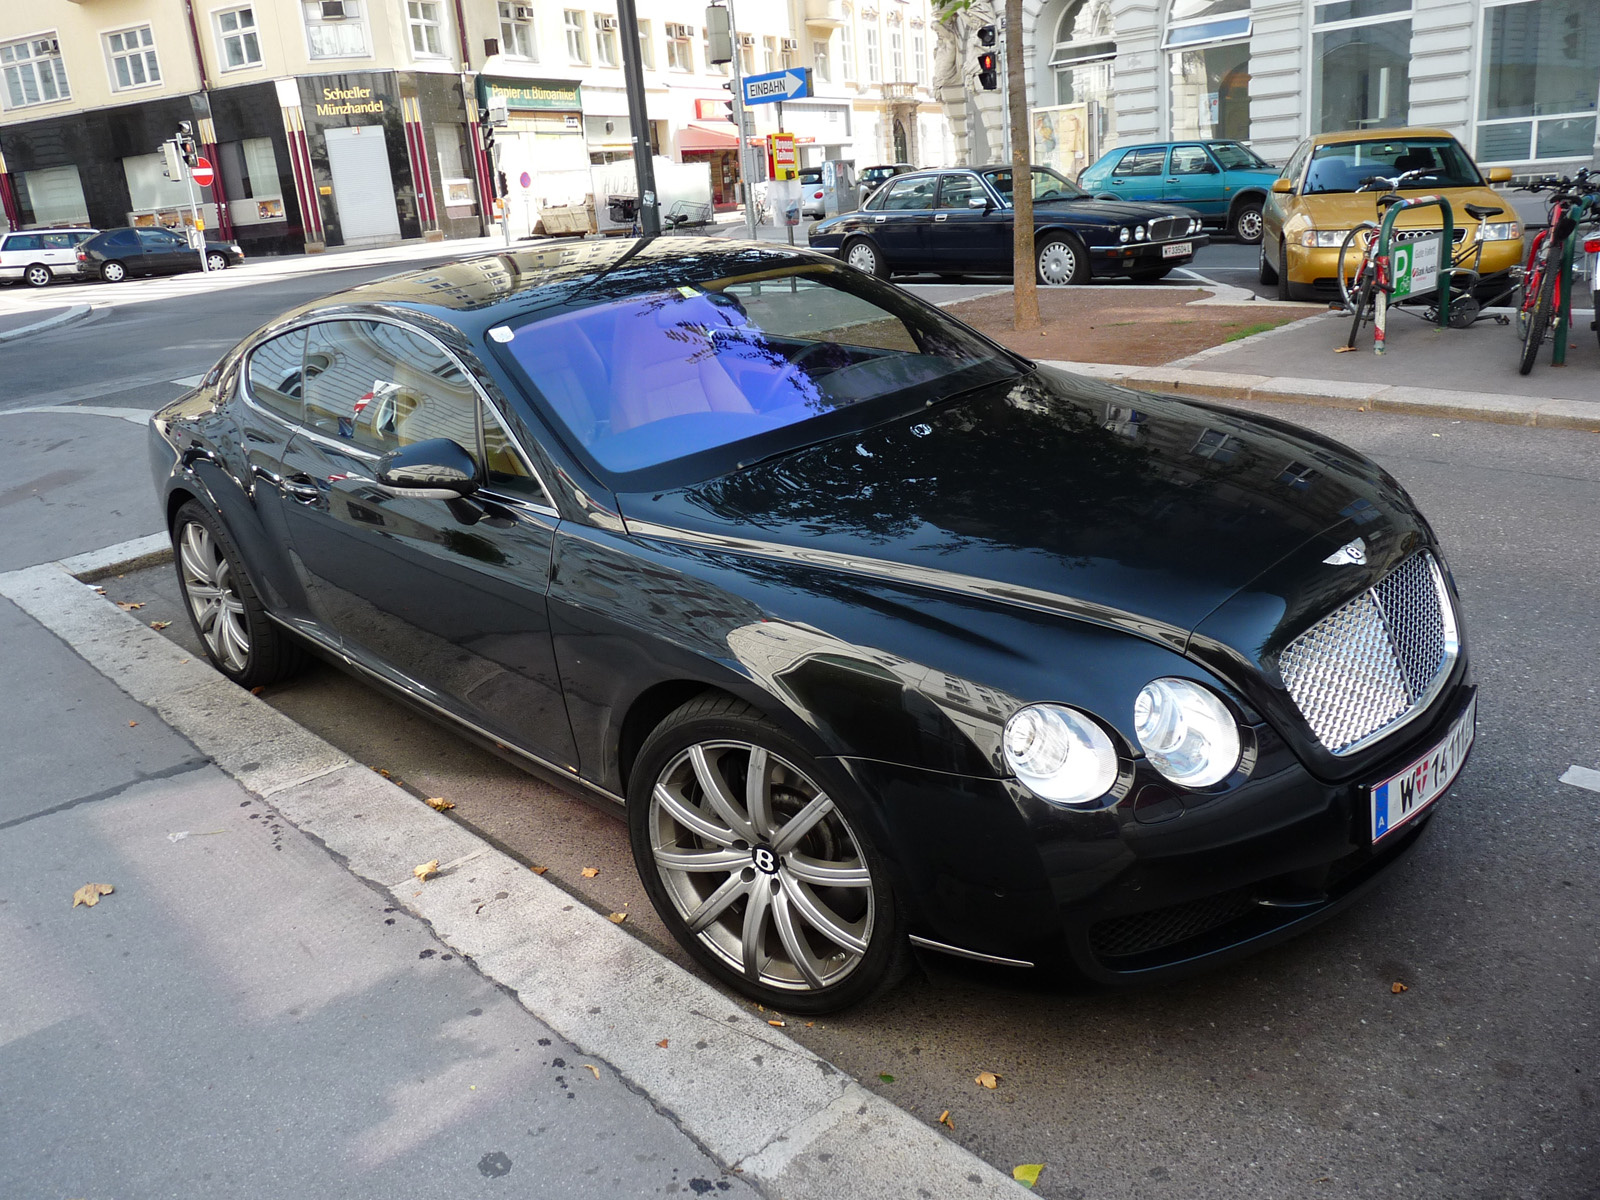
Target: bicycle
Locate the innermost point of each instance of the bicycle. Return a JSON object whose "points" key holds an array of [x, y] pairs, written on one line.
{"points": [[1546, 286], [1360, 290]]}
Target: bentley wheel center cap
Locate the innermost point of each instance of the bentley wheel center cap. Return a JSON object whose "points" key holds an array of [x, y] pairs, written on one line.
{"points": [[765, 860]]}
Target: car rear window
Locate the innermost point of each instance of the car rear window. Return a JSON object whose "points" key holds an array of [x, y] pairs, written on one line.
{"points": [[696, 378]]}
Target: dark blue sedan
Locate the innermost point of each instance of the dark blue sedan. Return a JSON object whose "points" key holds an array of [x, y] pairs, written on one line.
{"points": [[960, 221]]}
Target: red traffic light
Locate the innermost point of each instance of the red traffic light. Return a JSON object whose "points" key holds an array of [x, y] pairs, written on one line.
{"points": [[987, 78]]}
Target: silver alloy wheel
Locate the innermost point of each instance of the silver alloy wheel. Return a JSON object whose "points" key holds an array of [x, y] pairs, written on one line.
{"points": [[213, 598], [863, 258], [216, 262], [38, 275], [761, 866], [1057, 262], [1248, 225]]}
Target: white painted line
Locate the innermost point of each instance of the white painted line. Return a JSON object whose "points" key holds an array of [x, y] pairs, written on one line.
{"points": [[138, 416], [1584, 777], [815, 1134], [190, 381]]}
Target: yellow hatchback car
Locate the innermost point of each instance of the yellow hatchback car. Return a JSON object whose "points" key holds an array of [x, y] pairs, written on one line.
{"points": [[1314, 203]]}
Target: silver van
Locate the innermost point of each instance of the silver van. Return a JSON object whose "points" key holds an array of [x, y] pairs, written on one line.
{"points": [[37, 256]]}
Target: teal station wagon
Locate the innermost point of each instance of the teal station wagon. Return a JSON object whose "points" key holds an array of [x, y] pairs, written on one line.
{"points": [[1224, 181]]}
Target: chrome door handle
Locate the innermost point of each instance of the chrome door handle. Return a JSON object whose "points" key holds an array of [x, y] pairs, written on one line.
{"points": [[941, 216], [879, 220], [301, 488], [1172, 179]]}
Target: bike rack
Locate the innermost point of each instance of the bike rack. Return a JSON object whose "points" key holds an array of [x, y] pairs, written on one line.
{"points": [[1558, 352], [1380, 317]]}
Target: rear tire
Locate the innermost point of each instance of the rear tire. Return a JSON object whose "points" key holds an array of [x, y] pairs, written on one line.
{"points": [[113, 272], [1246, 223], [38, 275], [1538, 317], [239, 638], [740, 874]]}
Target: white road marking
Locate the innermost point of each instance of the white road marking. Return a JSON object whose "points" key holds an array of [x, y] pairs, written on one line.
{"points": [[139, 416], [1583, 777], [189, 381]]}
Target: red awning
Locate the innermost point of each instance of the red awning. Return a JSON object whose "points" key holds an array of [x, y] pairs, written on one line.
{"points": [[698, 135]]}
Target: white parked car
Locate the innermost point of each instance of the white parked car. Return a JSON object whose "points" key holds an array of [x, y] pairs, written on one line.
{"points": [[37, 256]]}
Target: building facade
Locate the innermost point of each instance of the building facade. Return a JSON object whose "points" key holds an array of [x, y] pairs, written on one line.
{"points": [[1518, 81], [353, 122]]}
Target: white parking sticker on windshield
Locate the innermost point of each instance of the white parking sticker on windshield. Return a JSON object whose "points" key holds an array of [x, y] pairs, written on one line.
{"points": [[501, 333]]}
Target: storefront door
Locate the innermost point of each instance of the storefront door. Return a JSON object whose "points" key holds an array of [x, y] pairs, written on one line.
{"points": [[362, 187]]}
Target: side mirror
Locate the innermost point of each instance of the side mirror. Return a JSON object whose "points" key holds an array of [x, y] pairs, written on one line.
{"points": [[1499, 174], [1282, 187], [436, 469], [978, 202]]}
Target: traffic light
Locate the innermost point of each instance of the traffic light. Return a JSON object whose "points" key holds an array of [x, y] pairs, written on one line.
{"points": [[987, 78], [186, 146], [486, 130], [729, 115], [986, 35], [505, 186]]}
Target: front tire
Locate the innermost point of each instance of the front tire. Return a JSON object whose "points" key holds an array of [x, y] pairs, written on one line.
{"points": [[113, 272], [1264, 272], [1060, 260], [38, 275], [216, 262], [764, 877], [864, 256], [1283, 271], [239, 638], [1246, 223]]}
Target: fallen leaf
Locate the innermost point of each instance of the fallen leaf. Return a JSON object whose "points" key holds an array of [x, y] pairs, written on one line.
{"points": [[164, 624], [809, 1024], [382, 772], [131, 724], [662, 1043], [1027, 1174], [427, 870], [257, 690], [1343, 349], [1397, 987], [590, 872], [90, 893], [593, 1068], [617, 918], [181, 661], [944, 1119], [99, 591], [987, 1079], [885, 1078], [126, 606], [776, 1024], [439, 803], [538, 870]]}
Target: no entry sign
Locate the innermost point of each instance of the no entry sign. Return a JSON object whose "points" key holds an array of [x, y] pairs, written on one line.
{"points": [[203, 174]]}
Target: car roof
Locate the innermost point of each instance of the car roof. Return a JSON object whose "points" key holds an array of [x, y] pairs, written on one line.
{"points": [[1377, 135], [1199, 141]]}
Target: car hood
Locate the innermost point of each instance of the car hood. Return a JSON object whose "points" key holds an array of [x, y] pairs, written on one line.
{"points": [[1054, 492], [1346, 210], [1105, 212]]}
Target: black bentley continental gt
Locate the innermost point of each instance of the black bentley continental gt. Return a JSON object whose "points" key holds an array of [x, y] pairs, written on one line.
{"points": [[879, 634], [959, 221]]}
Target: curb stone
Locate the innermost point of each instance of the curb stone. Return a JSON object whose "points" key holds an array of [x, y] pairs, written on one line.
{"points": [[817, 1135], [75, 313]]}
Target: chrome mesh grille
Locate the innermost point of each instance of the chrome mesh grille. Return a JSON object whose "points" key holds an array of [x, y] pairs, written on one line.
{"points": [[1162, 228], [1369, 664]]}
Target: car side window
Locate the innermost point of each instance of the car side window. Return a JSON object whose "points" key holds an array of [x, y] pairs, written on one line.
{"points": [[1297, 161], [380, 387], [122, 239], [24, 241], [956, 190], [1191, 160], [911, 193], [1141, 162], [159, 239], [276, 374], [508, 471], [58, 241]]}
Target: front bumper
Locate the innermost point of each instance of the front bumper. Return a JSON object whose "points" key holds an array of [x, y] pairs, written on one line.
{"points": [[1155, 887], [1139, 256], [1314, 271]]}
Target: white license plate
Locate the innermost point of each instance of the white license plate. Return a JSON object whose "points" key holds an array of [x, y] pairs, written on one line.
{"points": [[1177, 250], [1400, 798]]}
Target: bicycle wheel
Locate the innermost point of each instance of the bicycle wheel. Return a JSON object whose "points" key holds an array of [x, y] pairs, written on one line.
{"points": [[1362, 306], [1353, 259], [1528, 286], [1543, 291]]}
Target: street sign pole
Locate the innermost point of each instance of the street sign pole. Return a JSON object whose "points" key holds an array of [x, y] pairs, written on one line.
{"points": [[644, 166], [194, 220]]}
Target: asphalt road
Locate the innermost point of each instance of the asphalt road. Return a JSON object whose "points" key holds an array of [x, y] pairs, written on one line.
{"points": [[1298, 1073]]}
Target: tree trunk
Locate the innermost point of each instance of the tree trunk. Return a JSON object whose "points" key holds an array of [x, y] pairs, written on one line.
{"points": [[1025, 289]]}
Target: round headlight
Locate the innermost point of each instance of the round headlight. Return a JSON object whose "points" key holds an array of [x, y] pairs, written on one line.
{"points": [[1194, 225], [1138, 233], [1059, 754], [1123, 234], [1187, 733]]}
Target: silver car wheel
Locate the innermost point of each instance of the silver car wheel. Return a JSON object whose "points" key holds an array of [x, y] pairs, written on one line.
{"points": [[761, 866], [863, 258], [213, 598], [1247, 227], [1057, 263], [113, 272], [38, 275], [216, 262]]}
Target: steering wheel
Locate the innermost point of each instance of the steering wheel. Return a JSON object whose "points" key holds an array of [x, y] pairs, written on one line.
{"points": [[813, 348], [1049, 194]]}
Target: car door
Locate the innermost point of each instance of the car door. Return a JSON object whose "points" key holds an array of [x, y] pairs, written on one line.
{"points": [[963, 237], [900, 226], [1195, 181], [162, 251], [1137, 174], [446, 597]]}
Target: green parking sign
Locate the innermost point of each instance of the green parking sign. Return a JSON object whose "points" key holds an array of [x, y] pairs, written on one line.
{"points": [[1416, 267]]}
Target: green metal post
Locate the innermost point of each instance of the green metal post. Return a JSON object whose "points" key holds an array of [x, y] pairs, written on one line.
{"points": [[1447, 263], [1558, 355]]}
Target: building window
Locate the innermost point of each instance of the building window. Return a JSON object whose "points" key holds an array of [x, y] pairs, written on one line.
{"points": [[680, 54], [334, 28], [819, 61], [647, 47], [516, 30], [897, 56], [236, 38], [33, 72], [426, 40], [133, 58], [249, 171], [51, 196], [873, 74], [747, 53], [1208, 68], [919, 58], [1081, 65], [605, 40], [1541, 74], [847, 52], [769, 54], [577, 37], [1361, 64]]}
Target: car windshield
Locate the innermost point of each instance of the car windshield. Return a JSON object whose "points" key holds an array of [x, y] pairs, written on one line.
{"points": [[1235, 157], [668, 385], [1342, 166], [1047, 185]]}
